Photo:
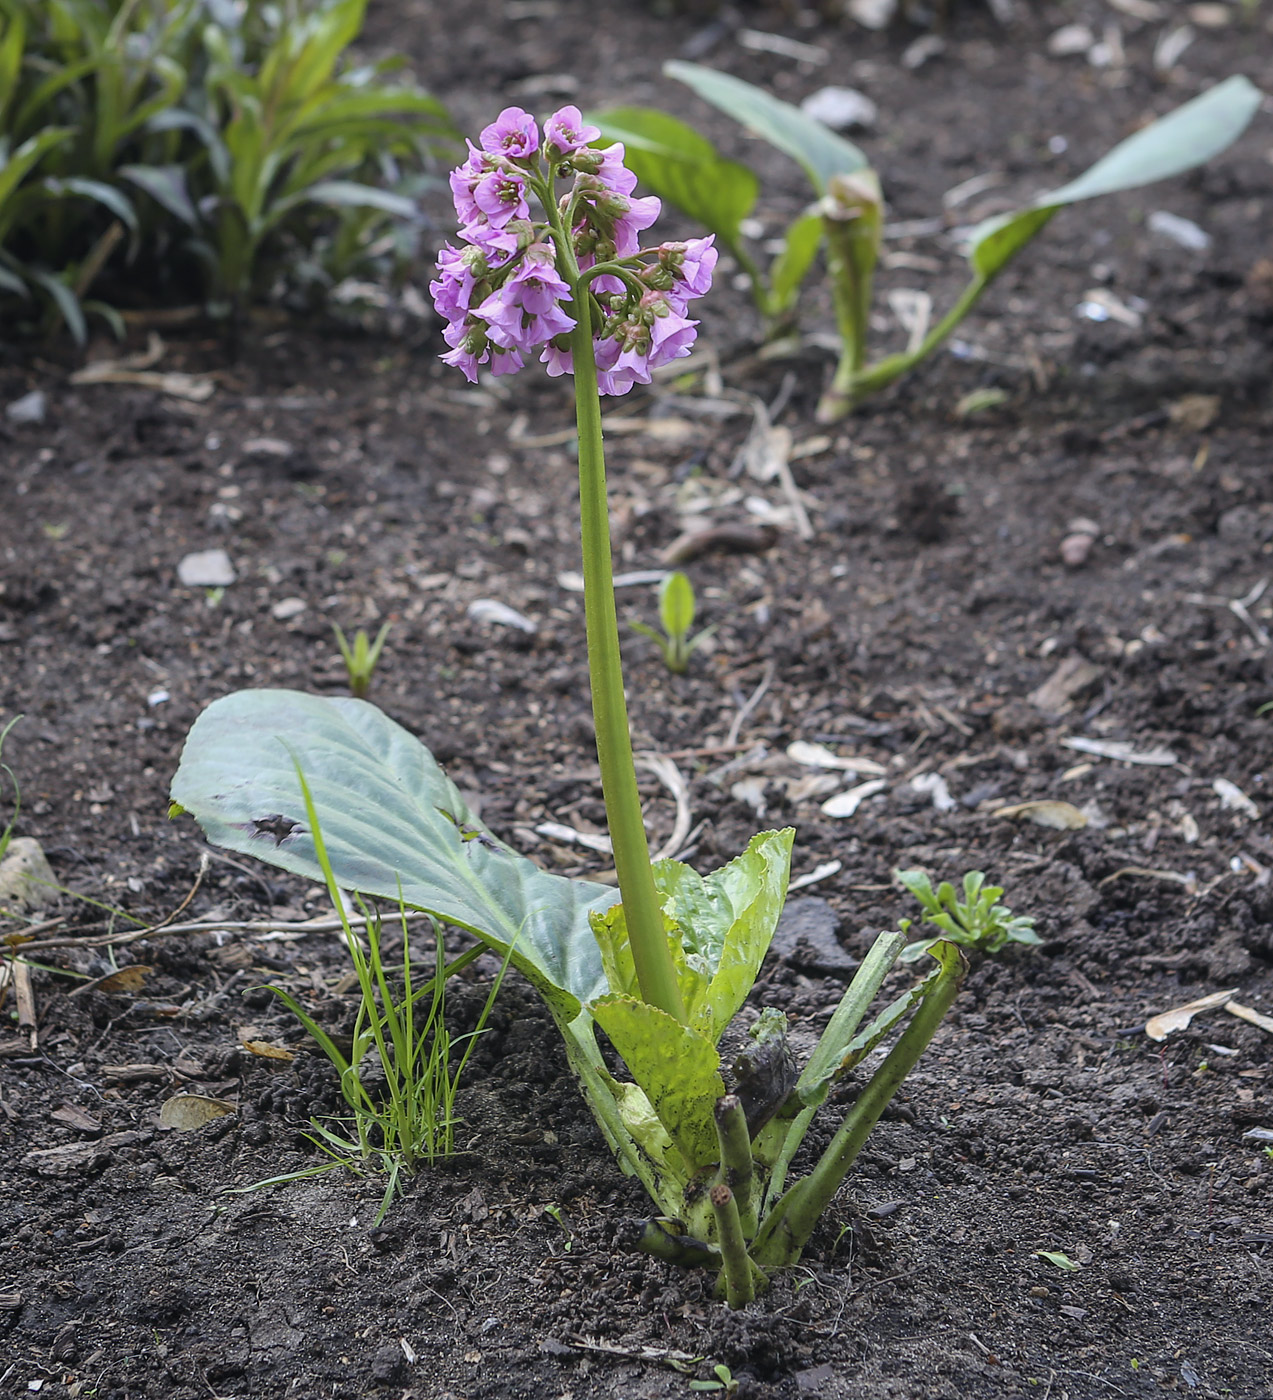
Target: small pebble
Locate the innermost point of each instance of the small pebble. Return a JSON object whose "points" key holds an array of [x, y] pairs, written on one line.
{"points": [[841, 108], [1075, 549], [30, 408], [1183, 232], [208, 568], [287, 608]]}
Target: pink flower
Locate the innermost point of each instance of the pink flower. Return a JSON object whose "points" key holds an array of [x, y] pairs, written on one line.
{"points": [[500, 195], [671, 338], [513, 134], [640, 214], [612, 172], [526, 311], [558, 359], [623, 360], [691, 264], [464, 180], [453, 290], [565, 132]]}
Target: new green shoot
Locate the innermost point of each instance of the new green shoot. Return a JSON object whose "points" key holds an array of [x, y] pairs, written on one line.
{"points": [[978, 921], [676, 616], [7, 834], [361, 658]]}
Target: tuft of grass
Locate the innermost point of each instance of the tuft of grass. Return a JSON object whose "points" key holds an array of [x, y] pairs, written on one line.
{"points": [[402, 1074]]}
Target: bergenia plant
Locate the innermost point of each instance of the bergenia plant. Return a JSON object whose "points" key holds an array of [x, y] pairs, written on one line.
{"points": [[550, 260], [846, 219]]}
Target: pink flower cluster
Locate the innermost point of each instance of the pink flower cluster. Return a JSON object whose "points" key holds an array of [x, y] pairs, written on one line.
{"points": [[503, 294]]}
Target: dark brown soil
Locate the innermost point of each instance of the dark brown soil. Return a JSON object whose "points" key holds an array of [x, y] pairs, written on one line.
{"points": [[914, 628]]}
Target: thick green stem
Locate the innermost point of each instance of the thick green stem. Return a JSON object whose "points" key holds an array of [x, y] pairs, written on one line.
{"points": [[852, 384], [740, 1288], [736, 1168], [786, 1230], [642, 909], [654, 1238]]}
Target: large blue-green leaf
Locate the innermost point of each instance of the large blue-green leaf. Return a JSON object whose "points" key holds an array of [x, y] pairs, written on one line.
{"points": [[1188, 137], [682, 167], [391, 820], [815, 147]]}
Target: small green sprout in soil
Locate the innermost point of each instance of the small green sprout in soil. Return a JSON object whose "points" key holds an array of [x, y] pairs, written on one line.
{"points": [[360, 658], [676, 615], [978, 921], [7, 834], [723, 1382]]}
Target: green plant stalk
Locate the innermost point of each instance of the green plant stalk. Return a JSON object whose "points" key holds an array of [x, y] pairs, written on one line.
{"points": [[870, 380], [656, 974], [787, 1228], [831, 1048], [683, 1250], [852, 225], [736, 1166], [736, 1270], [851, 298]]}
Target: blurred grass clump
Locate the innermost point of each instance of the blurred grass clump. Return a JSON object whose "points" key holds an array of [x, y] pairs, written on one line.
{"points": [[159, 152]]}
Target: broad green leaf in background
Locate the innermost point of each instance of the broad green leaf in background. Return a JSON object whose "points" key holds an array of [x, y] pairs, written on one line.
{"points": [[394, 825], [815, 147], [682, 167], [789, 269], [676, 1067], [1188, 137], [166, 185]]}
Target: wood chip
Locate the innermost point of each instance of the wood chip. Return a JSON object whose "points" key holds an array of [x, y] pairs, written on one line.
{"points": [[1061, 816], [71, 1115], [1070, 679], [818, 873], [819, 756], [1161, 1026], [1233, 799], [1247, 1013], [720, 539], [847, 803], [1122, 751]]}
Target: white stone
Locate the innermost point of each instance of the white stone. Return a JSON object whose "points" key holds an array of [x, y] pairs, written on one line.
{"points": [[208, 568]]}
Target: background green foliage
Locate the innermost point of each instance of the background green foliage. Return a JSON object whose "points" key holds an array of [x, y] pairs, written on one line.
{"points": [[169, 151]]}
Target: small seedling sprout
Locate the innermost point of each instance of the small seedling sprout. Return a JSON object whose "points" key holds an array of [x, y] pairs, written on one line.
{"points": [[360, 658], [978, 922], [676, 615], [7, 834], [724, 1382]]}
